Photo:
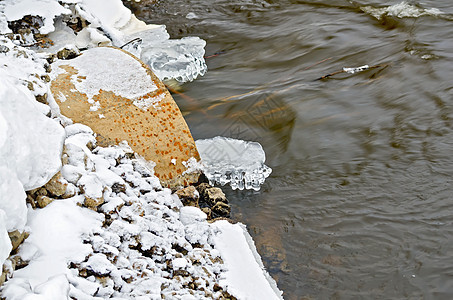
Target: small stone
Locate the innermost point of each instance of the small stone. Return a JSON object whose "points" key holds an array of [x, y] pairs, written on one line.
{"points": [[42, 98], [93, 203], [18, 262], [207, 211], [17, 238], [214, 195], [189, 196], [217, 287], [67, 53], [57, 185], [118, 188], [43, 201], [30, 86], [3, 49], [45, 78], [221, 210], [41, 192], [71, 191]]}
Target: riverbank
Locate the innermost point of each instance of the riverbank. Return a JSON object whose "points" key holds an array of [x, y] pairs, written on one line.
{"points": [[82, 221]]}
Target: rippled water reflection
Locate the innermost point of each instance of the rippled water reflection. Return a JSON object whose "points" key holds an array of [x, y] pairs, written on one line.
{"points": [[359, 204]]}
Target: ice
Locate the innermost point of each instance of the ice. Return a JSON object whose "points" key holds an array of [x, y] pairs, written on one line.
{"points": [[357, 69], [239, 163], [238, 250], [176, 59], [400, 10], [46, 9], [180, 59]]}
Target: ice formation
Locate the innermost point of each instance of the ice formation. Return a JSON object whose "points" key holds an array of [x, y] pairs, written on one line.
{"points": [[239, 163], [357, 69], [180, 59], [400, 10]]}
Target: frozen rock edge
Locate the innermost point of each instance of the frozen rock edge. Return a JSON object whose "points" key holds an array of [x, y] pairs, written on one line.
{"points": [[235, 162]]}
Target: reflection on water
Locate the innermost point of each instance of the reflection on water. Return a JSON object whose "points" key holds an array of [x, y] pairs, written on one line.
{"points": [[359, 202]]}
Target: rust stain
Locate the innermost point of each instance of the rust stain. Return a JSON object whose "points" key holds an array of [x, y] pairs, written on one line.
{"points": [[138, 127]]}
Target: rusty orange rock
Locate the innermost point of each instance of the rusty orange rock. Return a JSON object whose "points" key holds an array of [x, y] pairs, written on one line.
{"points": [[120, 98]]}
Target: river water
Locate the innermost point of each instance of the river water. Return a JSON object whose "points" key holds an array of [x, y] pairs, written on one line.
{"points": [[359, 204]]}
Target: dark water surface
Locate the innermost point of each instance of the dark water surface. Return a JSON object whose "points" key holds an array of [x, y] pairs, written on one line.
{"points": [[360, 203]]}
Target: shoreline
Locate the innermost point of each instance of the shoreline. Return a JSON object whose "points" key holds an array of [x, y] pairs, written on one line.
{"points": [[135, 237]]}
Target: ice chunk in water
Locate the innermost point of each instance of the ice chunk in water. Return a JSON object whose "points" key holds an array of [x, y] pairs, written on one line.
{"points": [[239, 163], [181, 59], [176, 59]]}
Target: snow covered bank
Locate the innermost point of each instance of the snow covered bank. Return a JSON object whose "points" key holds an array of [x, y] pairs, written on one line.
{"points": [[30, 142], [106, 228], [141, 244], [109, 23]]}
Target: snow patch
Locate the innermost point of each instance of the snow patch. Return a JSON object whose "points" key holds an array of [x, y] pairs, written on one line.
{"points": [[127, 77]]}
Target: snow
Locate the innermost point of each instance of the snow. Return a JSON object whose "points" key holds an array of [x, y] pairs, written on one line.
{"points": [[140, 243], [239, 163], [246, 277], [47, 9], [127, 78], [55, 240], [30, 142]]}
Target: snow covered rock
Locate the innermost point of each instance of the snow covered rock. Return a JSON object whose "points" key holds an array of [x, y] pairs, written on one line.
{"points": [[120, 98]]}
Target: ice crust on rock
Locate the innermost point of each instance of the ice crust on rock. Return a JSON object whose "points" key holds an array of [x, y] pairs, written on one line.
{"points": [[181, 59], [239, 163]]}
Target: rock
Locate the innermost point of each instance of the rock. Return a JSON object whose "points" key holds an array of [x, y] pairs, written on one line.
{"points": [[93, 203], [57, 185], [17, 238], [189, 196], [42, 98], [213, 195], [132, 105], [67, 53], [208, 212], [221, 209], [43, 201], [71, 191], [118, 188], [17, 262], [3, 49]]}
